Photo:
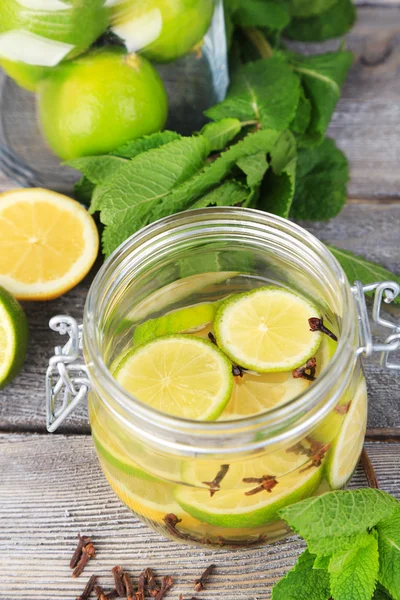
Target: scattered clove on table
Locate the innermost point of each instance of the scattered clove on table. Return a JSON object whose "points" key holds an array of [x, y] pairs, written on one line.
{"points": [[118, 575], [199, 584], [89, 587], [88, 552]]}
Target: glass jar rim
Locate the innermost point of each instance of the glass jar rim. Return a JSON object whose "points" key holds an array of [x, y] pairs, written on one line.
{"points": [[119, 260]]}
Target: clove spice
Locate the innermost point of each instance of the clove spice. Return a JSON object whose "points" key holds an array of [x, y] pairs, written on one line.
{"points": [[342, 409], [128, 586], [306, 372], [199, 583], [101, 595], [141, 583], [317, 454], [317, 324], [152, 586], [266, 482], [89, 587], [118, 575], [166, 584], [88, 552], [214, 485], [83, 540]]}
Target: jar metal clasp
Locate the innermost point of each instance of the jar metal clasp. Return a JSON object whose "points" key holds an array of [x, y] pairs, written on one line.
{"points": [[67, 381]]}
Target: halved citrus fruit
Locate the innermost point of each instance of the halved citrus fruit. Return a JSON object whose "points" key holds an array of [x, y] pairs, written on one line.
{"points": [[13, 337], [267, 329], [48, 243], [179, 375]]}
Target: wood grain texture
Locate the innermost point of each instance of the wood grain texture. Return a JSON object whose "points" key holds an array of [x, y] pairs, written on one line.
{"points": [[53, 488], [370, 229]]}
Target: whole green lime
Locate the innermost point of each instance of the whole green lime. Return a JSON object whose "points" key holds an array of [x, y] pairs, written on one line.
{"points": [[163, 30], [98, 101], [35, 35]]}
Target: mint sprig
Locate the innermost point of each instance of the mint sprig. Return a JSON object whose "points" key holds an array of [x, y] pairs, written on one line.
{"points": [[353, 540]]}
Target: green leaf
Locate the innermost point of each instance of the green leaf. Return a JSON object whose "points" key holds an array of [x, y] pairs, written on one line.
{"points": [[307, 8], [321, 177], [148, 142], [278, 187], [358, 268], [381, 593], [266, 91], [230, 193], [322, 562], [143, 182], [254, 166], [221, 132], [322, 76], [302, 117], [340, 513], [97, 168], [303, 582], [389, 553], [354, 573], [211, 175], [83, 190], [272, 14], [326, 546], [334, 22]]}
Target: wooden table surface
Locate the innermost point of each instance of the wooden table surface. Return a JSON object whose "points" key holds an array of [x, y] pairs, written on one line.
{"points": [[51, 486]]}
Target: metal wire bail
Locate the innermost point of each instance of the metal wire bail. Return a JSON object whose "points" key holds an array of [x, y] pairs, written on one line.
{"points": [[386, 292], [67, 382]]}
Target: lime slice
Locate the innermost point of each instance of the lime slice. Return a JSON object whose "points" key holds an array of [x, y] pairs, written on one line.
{"points": [[232, 508], [190, 319], [267, 329], [345, 451], [13, 337], [254, 394], [112, 455], [179, 375]]}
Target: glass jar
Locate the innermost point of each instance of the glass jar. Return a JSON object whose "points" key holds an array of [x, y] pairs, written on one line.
{"points": [[189, 479], [37, 35]]}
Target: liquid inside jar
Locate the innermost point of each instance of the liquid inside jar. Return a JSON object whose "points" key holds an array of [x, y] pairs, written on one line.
{"points": [[223, 347]]}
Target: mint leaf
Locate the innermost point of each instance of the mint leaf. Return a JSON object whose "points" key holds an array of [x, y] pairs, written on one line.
{"points": [[302, 117], [354, 573], [340, 513], [211, 175], [143, 182], [278, 187], [83, 190], [358, 268], [321, 172], [303, 582], [97, 168], [381, 593], [221, 132], [266, 91], [322, 562], [230, 193], [307, 8], [322, 76], [255, 167], [334, 22], [326, 546], [272, 14], [389, 552], [148, 142]]}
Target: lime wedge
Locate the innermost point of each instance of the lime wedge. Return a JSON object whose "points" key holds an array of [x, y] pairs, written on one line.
{"points": [[254, 394], [345, 451], [267, 329], [190, 319], [13, 337], [179, 375], [230, 507]]}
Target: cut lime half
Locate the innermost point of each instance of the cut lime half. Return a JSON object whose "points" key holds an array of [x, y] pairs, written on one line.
{"points": [[13, 337], [267, 329], [346, 448], [179, 375]]}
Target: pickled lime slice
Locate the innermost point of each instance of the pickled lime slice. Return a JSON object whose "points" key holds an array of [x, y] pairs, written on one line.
{"points": [[346, 448], [190, 319], [179, 375], [112, 455], [233, 508], [267, 329]]}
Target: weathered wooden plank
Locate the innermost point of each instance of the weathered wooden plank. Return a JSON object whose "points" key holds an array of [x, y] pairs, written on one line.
{"points": [[52, 488], [366, 124], [370, 229]]}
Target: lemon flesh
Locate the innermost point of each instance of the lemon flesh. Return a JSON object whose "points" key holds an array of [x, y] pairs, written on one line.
{"points": [[179, 375], [346, 449], [267, 329]]}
